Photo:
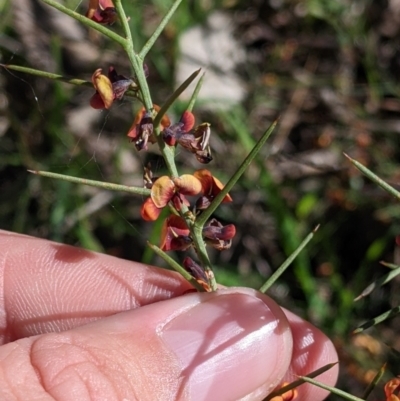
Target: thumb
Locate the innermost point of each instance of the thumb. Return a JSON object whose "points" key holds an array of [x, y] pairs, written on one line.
{"points": [[227, 345]]}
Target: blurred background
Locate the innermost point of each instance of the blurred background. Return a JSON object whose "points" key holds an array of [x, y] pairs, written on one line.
{"points": [[328, 69]]}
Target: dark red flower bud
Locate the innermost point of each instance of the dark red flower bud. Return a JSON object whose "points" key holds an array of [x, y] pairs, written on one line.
{"points": [[197, 272]]}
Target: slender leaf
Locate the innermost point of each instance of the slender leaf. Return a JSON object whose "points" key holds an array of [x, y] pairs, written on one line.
{"points": [[93, 183], [299, 382], [374, 381], [378, 283], [149, 44], [333, 390], [195, 93], [376, 320], [287, 262], [175, 96], [86, 21], [374, 177], [202, 219]]}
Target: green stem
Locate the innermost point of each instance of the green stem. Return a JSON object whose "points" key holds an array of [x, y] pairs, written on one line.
{"points": [[201, 251], [176, 266], [86, 21], [136, 61], [287, 262], [149, 44], [202, 219], [56, 77], [374, 177], [93, 183]]}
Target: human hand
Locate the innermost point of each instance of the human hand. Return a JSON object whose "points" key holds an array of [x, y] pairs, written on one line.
{"points": [[77, 325]]}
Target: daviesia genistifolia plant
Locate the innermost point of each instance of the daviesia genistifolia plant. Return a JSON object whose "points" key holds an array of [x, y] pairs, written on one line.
{"points": [[191, 199]]}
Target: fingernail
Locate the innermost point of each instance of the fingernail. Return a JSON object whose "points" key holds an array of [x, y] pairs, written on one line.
{"points": [[229, 346]]}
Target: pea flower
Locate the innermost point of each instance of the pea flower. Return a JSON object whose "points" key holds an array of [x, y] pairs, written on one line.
{"points": [[195, 140], [211, 187], [141, 131], [102, 11], [175, 234], [108, 88], [165, 190], [197, 273], [219, 236], [392, 389]]}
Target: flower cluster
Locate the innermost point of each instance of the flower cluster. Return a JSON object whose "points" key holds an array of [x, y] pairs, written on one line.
{"points": [[172, 192], [178, 229]]}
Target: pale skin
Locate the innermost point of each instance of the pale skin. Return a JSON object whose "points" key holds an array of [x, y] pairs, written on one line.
{"points": [[77, 325]]}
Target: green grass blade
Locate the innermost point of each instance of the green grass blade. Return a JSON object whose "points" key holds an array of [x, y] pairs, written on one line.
{"points": [[374, 381], [176, 266], [202, 219], [149, 44], [374, 177], [86, 21], [299, 382], [333, 390], [376, 320], [93, 183], [378, 283], [287, 262]]}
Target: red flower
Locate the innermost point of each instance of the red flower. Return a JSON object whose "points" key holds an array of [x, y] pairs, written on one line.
{"points": [[108, 88], [211, 187], [194, 140], [175, 234], [102, 11], [166, 190], [219, 236], [141, 131], [392, 387], [197, 272]]}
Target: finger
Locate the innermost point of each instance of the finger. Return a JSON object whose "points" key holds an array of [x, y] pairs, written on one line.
{"points": [[227, 345], [46, 286], [311, 351]]}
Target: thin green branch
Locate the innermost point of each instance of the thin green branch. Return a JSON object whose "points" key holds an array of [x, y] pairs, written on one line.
{"points": [[136, 61], [175, 96], [376, 320], [374, 177], [86, 21], [374, 381], [149, 44], [333, 390], [195, 93], [287, 262], [203, 218], [299, 382], [176, 266], [378, 283], [98, 184], [45, 74]]}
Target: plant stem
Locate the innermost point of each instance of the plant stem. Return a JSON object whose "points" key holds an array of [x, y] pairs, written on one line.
{"points": [[136, 61], [93, 183], [149, 44], [202, 219], [86, 21]]}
